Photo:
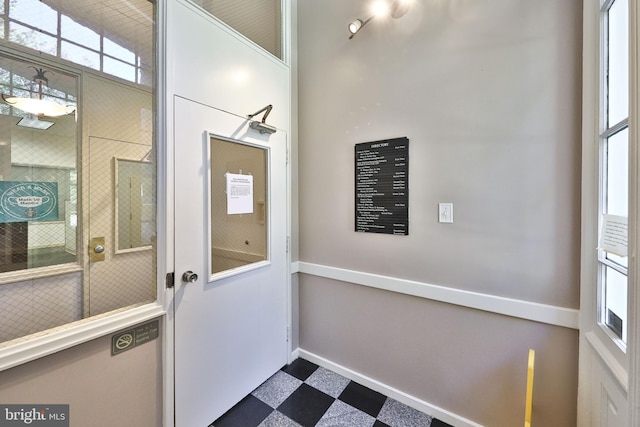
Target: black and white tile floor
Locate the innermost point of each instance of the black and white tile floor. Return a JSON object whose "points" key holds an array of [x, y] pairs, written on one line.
{"points": [[303, 394]]}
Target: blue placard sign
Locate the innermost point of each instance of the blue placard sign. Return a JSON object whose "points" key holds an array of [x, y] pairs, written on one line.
{"points": [[28, 201]]}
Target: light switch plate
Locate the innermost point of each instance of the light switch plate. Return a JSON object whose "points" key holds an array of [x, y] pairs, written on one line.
{"points": [[445, 212]]}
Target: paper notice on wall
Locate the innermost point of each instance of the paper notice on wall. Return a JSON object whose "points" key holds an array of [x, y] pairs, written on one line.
{"points": [[614, 234], [239, 194]]}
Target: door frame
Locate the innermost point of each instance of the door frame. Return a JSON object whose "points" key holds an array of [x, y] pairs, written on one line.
{"points": [[634, 224], [594, 345], [166, 188]]}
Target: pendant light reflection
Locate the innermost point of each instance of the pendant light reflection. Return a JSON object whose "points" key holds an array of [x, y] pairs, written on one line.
{"points": [[33, 122], [38, 106]]}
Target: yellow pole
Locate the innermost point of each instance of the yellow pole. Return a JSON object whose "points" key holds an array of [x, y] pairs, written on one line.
{"points": [[529, 398]]}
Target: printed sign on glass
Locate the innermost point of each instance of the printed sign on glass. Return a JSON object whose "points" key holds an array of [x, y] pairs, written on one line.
{"points": [[28, 201], [239, 194]]}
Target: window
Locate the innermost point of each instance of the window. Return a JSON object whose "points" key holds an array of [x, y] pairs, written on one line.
{"points": [[77, 203], [86, 34], [614, 166]]}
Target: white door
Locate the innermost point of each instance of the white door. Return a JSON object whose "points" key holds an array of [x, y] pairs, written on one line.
{"points": [[231, 322]]}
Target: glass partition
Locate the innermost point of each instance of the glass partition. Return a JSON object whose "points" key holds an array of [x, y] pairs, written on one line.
{"points": [[77, 162], [238, 198], [38, 168]]}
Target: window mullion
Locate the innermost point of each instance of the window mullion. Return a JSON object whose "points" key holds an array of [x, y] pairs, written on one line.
{"points": [[618, 127]]}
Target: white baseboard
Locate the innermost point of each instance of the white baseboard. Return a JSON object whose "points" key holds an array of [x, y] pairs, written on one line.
{"points": [[414, 402]]}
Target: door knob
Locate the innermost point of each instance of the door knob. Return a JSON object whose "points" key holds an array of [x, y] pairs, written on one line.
{"points": [[189, 277]]}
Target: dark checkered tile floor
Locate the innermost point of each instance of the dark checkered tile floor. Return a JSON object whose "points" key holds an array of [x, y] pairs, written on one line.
{"points": [[305, 395]]}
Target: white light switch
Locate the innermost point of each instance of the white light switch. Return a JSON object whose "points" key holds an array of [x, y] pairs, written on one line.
{"points": [[445, 212]]}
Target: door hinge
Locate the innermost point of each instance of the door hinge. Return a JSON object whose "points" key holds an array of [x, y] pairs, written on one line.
{"points": [[287, 155], [171, 280], [288, 333], [288, 243]]}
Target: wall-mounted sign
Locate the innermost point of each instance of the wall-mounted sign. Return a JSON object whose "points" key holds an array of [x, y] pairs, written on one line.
{"points": [[382, 186], [239, 194], [28, 201], [127, 340], [614, 235]]}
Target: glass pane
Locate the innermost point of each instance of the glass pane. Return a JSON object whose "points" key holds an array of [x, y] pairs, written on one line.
{"points": [[238, 204], [34, 13], [615, 309], [36, 199], [617, 175], [117, 51], [119, 69], [258, 20], [617, 181], [79, 34], [80, 55], [32, 39], [618, 67]]}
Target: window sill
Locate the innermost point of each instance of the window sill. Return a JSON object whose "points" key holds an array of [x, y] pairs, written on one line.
{"points": [[38, 273], [26, 349]]}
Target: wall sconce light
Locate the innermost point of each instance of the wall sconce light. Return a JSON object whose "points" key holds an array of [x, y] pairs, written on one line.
{"points": [[395, 9], [356, 26], [38, 106]]}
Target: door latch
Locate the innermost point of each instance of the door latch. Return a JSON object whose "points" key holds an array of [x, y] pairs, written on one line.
{"points": [[96, 249], [170, 280]]}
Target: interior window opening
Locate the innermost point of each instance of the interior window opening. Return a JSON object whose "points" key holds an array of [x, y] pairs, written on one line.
{"points": [[77, 197]]}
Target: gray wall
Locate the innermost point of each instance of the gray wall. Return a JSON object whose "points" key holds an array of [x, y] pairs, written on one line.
{"points": [[123, 390], [488, 92]]}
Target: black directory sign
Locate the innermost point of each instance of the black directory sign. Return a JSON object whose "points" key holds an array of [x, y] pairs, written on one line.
{"points": [[382, 186]]}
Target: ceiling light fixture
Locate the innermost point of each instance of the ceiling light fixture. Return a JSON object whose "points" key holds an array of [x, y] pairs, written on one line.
{"points": [[38, 106]]}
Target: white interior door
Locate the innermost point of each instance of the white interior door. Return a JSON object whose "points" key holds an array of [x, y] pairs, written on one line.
{"points": [[230, 325]]}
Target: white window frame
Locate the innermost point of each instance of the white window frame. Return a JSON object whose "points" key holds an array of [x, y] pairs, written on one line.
{"points": [[624, 367], [606, 132], [633, 345], [596, 345]]}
